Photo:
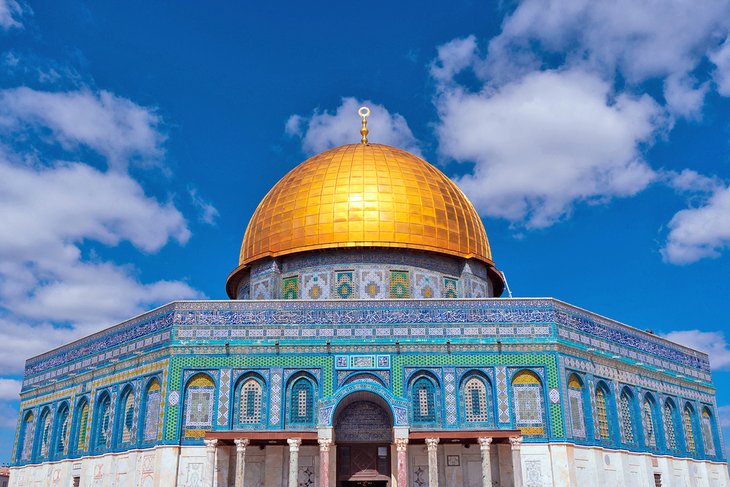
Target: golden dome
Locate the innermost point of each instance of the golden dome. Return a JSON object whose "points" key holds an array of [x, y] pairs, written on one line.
{"points": [[362, 195]]}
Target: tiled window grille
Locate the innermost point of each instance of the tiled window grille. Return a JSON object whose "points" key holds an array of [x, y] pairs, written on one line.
{"points": [[302, 402], [476, 401], [83, 427], [63, 425], [45, 433], [250, 402], [647, 419], [689, 434], [627, 426], [199, 400], [103, 421], [669, 426], [706, 427], [127, 417], [575, 400], [424, 402], [27, 437], [152, 411], [602, 414], [528, 403]]}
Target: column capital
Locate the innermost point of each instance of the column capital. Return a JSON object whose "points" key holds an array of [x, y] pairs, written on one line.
{"points": [[401, 444], [516, 442], [324, 444], [294, 443], [432, 443], [484, 442], [210, 443], [241, 444]]}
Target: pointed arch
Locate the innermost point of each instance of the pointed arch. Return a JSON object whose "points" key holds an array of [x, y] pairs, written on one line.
{"points": [[301, 400], [669, 420], [649, 421], [199, 405], [576, 402], [602, 407], [476, 392], [25, 438], [125, 416], [626, 411], [102, 421], [81, 425], [61, 434], [249, 398], [529, 403], [707, 428], [423, 399], [150, 421], [43, 442], [688, 428]]}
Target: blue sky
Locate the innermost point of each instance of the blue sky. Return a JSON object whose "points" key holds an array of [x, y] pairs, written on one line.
{"points": [[137, 138]]}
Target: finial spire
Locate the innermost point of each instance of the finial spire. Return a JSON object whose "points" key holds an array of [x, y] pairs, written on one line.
{"points": [[364, 112]]}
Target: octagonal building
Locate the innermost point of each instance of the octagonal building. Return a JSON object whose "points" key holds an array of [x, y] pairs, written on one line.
{"points": [[366, 343]]}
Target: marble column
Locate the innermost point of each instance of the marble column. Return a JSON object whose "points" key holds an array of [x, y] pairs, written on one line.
{"points": [[294, 444], [401, 445], [516, 442], [210, 450], [484, 444], [324, 461], [241, 444], [433, 462]]}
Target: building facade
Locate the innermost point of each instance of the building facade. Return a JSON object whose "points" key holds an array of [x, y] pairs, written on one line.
{"points": [[365, 343]]}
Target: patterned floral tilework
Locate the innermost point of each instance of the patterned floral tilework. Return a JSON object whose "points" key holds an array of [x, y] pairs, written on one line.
{"points": [[450, 288], [344, 284], [426, 285], [290, 287], [224, 396], [263, 289], [372, 284], [316, 285], [399, 284], [450, 394], [502, 397]]}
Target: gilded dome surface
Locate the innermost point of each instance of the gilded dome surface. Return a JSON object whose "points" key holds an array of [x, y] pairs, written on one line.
{"points": [[365, 195]]}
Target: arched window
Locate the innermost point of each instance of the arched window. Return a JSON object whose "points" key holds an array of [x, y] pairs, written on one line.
{"points": [[151, 420], [249, 402], [423, 399], [689, 429], [301, 402], [199, 402], [82, 425], [604, 429], [476, 400], [25, 440], [44, 433], [102, 430], [575, 400], [707, 436], [63, 421], [670, 424], [648, 422], [125, 416], [627, 417], [528, 403]]}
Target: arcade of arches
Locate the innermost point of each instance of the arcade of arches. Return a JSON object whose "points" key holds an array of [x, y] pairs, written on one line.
{"points": [[364, 448]]}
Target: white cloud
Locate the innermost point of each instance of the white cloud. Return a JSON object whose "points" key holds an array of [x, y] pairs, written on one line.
{"points": [[546, 141], [710, 342], [721, 59], [702, 232], [689, 180], [115, 127], [324, 130], [10, 11], [9, 389], [724, 413], [208, 213], [454, 57], [641, 39]]}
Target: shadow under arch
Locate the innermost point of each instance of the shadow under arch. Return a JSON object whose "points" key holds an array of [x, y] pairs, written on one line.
{"points": [[358, 390]]}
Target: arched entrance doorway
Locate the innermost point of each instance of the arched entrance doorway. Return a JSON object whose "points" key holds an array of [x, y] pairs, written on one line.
{"points": [[363, 427]]}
